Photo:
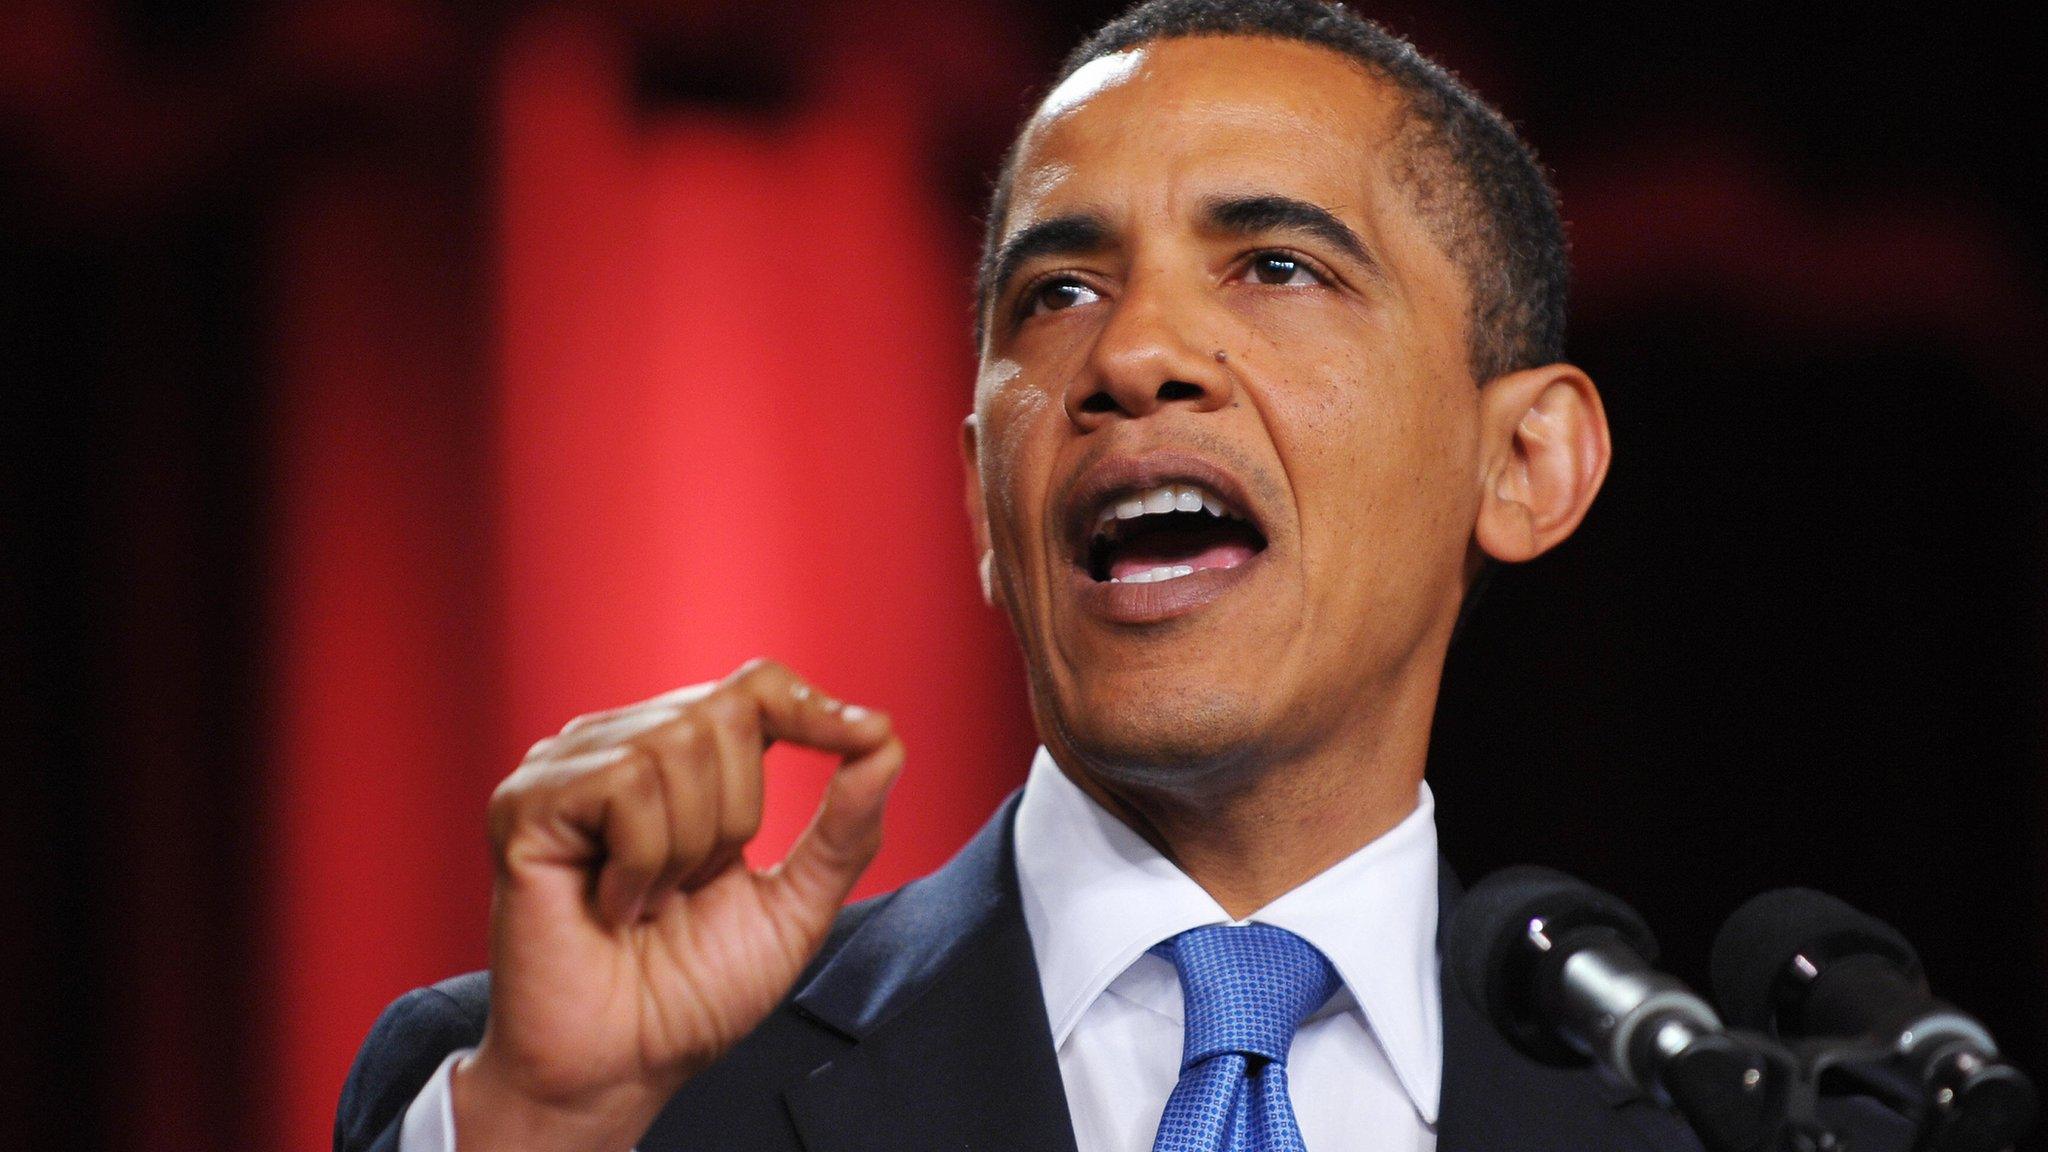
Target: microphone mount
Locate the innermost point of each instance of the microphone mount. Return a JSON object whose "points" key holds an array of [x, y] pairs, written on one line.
{"points": [[1563, 970], [1848, 992]]}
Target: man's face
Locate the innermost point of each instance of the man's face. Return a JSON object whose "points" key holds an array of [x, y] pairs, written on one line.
{"points": [[1222, 300]]}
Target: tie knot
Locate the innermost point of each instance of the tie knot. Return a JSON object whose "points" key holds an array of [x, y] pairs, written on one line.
{"points": [[1247, 989]]}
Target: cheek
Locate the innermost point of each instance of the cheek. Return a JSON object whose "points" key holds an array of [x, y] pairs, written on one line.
{"points": [[1381, 455], [1010, 473], [1348, 399]]}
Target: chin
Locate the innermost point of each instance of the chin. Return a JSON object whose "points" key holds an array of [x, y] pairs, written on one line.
{"points": [[1184, 746]]}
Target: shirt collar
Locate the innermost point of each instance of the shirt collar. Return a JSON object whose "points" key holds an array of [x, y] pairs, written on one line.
{"points": [[1096, 896]]}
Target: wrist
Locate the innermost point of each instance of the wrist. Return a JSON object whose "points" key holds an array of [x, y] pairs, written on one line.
{"points": [[493, 1112]]}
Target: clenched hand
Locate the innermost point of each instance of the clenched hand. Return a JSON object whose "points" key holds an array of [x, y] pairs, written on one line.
{"points": [[631, 945]]}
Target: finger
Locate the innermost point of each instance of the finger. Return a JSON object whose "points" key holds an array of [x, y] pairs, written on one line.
{"points": [[739, 765], [691, 781], [604, 729], [635, 832], [674, 697], [790, 708], [549, 812], [846, 832]]}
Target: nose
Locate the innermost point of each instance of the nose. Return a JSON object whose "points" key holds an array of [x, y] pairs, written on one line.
{"points": [[1146, 358]]}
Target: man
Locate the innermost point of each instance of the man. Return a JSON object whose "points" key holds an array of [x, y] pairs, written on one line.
{"points": [[1271, 368]]}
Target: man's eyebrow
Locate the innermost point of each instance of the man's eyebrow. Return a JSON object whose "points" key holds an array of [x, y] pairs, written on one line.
{"points": [[1073, 234], [1246, 215]]}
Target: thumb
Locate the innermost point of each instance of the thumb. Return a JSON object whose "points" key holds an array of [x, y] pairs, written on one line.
{"points": [[846, 832]]}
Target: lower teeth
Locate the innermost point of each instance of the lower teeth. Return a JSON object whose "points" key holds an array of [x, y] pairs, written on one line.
{"points": [[1154, 575]]}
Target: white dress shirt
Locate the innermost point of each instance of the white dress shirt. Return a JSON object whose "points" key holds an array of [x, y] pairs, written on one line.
{"points": [[1365, 1067]]}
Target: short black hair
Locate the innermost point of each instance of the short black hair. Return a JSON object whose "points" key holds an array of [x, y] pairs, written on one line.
{"points": [[1476, 183]]}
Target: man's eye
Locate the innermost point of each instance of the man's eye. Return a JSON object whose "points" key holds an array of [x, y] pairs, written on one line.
{"points": [[1280, 268], [1058, 294]]}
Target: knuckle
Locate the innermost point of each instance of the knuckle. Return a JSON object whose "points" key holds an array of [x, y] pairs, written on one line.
{"points": [[707, 749], [690, 734], [508, 790], [700, 750], [637, 773], [513, 790], [760, 667], [513, 803], [687, 694], [728, 710]]}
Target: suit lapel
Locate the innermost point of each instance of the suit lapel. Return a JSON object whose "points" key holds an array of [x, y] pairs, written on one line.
{"points": [[939, 991]]}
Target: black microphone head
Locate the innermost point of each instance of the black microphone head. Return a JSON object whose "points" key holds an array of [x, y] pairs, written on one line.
{"points": [[1492, 955], [1753, 952]]}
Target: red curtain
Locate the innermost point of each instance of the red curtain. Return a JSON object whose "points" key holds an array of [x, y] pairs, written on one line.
{"points": [[711, 413]]}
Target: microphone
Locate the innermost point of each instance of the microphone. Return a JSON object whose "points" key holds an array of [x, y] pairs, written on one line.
{"points": [[1563, 971], [1802, 965]]}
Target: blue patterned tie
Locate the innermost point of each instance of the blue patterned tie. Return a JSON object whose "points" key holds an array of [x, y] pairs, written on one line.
{"points": [[1246, 990]]}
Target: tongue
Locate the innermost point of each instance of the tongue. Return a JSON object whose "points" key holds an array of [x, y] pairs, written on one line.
{"points": [[1146, 555]]}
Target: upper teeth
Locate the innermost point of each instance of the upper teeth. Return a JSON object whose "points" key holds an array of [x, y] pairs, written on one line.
{"points": [[1164, 498]]}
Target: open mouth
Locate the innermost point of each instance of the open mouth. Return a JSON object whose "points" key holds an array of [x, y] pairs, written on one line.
{"points": [[1166, 532]]}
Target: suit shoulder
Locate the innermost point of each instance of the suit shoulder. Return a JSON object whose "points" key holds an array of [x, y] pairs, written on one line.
{"points": [[844, 925], [406, 1044], [469, 994]]}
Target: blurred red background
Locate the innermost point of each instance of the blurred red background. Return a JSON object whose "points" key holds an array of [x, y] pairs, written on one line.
{"points": [[396, 380]]}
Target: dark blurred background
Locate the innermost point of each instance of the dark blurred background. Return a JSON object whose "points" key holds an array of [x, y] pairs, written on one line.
{"points": [[387, 382]]}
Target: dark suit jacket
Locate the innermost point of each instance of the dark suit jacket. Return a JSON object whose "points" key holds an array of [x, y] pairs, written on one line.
{"points": [[921, 1025]]}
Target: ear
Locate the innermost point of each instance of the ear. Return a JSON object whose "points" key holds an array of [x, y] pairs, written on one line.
{"points": [[977, 509], [1546, 453]]}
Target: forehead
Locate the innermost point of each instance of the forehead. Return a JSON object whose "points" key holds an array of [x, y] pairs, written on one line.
{"points": [[1172, 122]]}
